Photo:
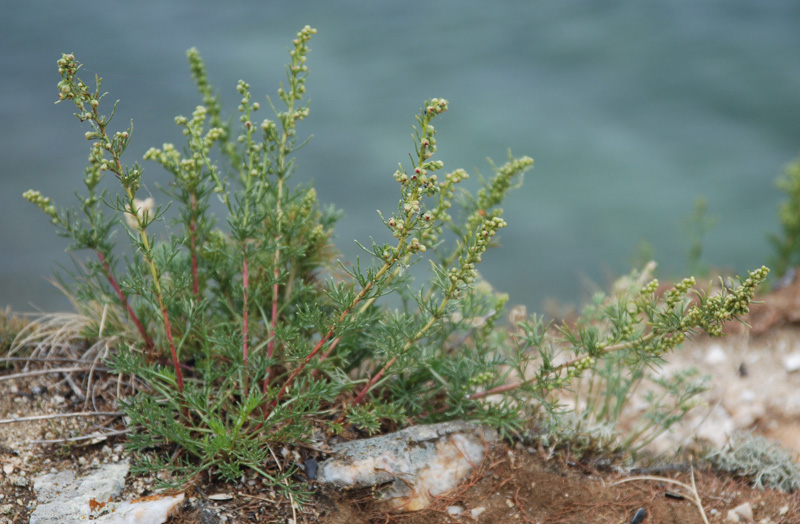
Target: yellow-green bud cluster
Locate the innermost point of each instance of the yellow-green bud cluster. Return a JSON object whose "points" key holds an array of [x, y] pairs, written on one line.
{"points": [[42, 202], [578, 367], [481, 378], [466, 271], [676, 294], [436, 106], [650, 288], [498, 186], [415, 246], [718, 309], [68, 88]]}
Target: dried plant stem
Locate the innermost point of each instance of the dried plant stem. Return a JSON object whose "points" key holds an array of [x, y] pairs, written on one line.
{"points": [[691, 489], [63, 415], [50, 371], [124, 301], [85, 437]]}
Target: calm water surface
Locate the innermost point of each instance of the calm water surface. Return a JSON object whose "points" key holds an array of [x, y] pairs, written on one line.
{"points": [[631, 110]]}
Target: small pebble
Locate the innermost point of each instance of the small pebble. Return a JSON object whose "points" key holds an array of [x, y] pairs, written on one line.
{"points": [[639, 516], [311, 468], [476, 512], [455, 510]]}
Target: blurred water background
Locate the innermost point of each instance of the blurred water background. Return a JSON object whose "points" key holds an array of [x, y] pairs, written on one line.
{"points": [[631, 111]]}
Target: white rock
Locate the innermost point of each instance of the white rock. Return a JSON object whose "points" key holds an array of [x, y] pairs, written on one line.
{"points": [[792, 362], [455, 510], [477, 512], [741, 513], [150, 510]]}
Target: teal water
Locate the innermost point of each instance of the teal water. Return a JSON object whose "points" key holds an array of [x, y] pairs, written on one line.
{"points": [[631, 110]]}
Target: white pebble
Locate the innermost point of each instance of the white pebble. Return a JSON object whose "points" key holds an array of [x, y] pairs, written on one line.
{"points": [[455, 510]]}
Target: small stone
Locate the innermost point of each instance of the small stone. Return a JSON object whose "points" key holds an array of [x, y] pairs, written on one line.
{"points": [[8, 469], [477, 512], [784, 510], [741, 513], [19, 480], [455, 510], [792, 362]]}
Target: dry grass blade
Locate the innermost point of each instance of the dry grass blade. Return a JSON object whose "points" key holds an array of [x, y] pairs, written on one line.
{"points": [[691, 489], [62, 415], [50, 371]]}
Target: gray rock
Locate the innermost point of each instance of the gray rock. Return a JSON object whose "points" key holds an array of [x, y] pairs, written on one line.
{"points": [[416, 463], [64, 498]]}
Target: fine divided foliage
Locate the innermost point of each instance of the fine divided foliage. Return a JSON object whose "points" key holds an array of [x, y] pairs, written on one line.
{"points": [[245, 332]]}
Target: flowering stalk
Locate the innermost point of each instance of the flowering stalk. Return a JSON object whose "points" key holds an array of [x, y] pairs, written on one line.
{"points": [[72, 88], [668, 329], [458, 277]]}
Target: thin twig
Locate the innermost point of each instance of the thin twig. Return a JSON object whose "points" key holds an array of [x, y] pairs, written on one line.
{"points": [[84, 437], [49, 371], [63, 415], [41, 359], [691, 489]]}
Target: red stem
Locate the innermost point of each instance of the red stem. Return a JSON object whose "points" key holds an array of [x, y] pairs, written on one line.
{"points": [[327, 354], [494, 391], [373, 380], [316, 349], [271, 345], [147, 340]]}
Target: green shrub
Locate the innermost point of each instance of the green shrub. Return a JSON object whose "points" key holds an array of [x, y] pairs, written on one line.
{"points": [[787, 245], [248, 333]]}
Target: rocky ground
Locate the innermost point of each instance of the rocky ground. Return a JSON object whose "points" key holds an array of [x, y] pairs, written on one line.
{"points": [[755, 386]]}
